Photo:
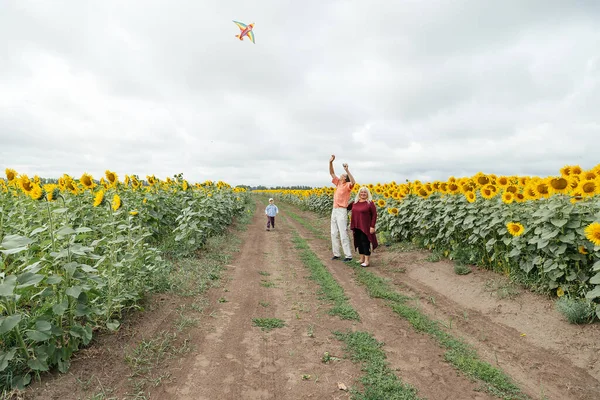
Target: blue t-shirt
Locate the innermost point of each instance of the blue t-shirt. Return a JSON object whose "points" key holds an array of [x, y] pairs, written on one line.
{"points": [[271, 210]]}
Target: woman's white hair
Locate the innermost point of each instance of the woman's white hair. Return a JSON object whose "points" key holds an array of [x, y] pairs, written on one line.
{"points": [[369, 196]]}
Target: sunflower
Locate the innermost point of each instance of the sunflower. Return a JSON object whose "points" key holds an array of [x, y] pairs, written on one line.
{"points": [[565, 171], [36, 192], [520, 197], [589, 176], [87, 181], [582, 250], [502, 181], [558, 185], [483, 180], [99, 198], [588, 188], [543, 189], [112, 177], [453, 188], [392, 210], [592, 233], [515, 228], [116, 202], [531, 192], [134, 212], [71, 187], [185, 185], [508, 198], [52, 191], [25, 184], [11, 174], [511, 189], [488, 191], [576, 170], [381, 203], [470, 196]]}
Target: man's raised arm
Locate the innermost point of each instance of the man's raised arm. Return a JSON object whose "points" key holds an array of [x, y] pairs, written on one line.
{"points": [[331, 172]]}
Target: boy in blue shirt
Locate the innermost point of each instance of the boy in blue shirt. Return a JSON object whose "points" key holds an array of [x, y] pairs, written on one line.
{"points": [[271, 212]]}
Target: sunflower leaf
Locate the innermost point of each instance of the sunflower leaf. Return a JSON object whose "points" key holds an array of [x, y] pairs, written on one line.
{"points": [[595, 280]]}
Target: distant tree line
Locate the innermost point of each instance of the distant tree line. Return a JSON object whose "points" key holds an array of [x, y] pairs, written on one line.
{"points": [[262, 187]]}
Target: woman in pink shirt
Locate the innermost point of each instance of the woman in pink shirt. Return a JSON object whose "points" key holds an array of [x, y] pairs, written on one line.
{"points": [[362, 223]]}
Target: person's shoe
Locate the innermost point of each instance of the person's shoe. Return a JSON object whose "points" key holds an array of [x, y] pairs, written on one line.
{"points": [[347, 259], [335, 258], [267, 229], [364, 265]]}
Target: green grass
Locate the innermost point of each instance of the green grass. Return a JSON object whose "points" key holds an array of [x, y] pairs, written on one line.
{"points": [[267, 324], [379, 381], [330, 289], [305, 224]]}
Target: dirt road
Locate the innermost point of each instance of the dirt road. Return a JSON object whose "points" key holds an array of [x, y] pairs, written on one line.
{"points": [[221, 353]]}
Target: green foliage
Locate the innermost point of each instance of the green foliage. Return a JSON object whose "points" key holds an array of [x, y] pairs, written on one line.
{"points": [[69, 269]]}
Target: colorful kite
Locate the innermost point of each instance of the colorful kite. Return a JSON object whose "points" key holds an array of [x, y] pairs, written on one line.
{"points": [[246, 30]]}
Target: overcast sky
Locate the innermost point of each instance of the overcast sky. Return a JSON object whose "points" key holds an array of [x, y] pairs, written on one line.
{"points": [[412, 89]]}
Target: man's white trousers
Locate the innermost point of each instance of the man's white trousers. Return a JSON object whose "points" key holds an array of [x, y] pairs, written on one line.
{"points": [[339, 232]]}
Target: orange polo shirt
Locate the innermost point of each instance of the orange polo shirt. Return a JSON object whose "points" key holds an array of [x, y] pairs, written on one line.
{"points": [[341, 195]]}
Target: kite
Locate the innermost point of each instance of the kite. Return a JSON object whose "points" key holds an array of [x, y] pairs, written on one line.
{"points": [[245, 30]]}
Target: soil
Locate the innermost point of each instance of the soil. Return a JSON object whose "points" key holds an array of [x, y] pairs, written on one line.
{"points": [[224, 356]]}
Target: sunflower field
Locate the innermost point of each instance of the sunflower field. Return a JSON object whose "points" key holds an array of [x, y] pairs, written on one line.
{"points": [[541, 231], [76, 253]]}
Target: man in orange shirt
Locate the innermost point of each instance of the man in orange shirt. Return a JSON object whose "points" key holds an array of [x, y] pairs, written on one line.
{"points": [[339, 214]]}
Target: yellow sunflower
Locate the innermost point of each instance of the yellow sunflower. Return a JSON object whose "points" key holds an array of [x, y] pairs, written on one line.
{"points": [[565, 171], [185, 185], [99, 198], [592, 233], [508, 198], [520, 197], [112, 177], [558, 185], [588, 188], [392, 210], [470, 196], [36, 193], [582, 250], [502, 181], [381, 203], [11, 174], [116, 202], [515, 228], [25, 184], [87, 181]]}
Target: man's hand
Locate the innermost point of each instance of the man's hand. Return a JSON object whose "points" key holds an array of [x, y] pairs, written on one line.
{"points": [[332, 158]]}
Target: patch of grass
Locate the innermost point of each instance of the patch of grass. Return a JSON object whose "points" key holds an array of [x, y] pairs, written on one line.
{"points": [[461, 269], [576, 311], [267, 283], [503, 289], [304, 223], [146, 359], [434, 256], [264, 304], [379, 382], [330, 289], [264, 273], [459, 354], [266, 324]]}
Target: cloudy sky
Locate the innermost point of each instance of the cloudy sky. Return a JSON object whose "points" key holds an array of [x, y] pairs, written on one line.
{"points": [[411, 89]]}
